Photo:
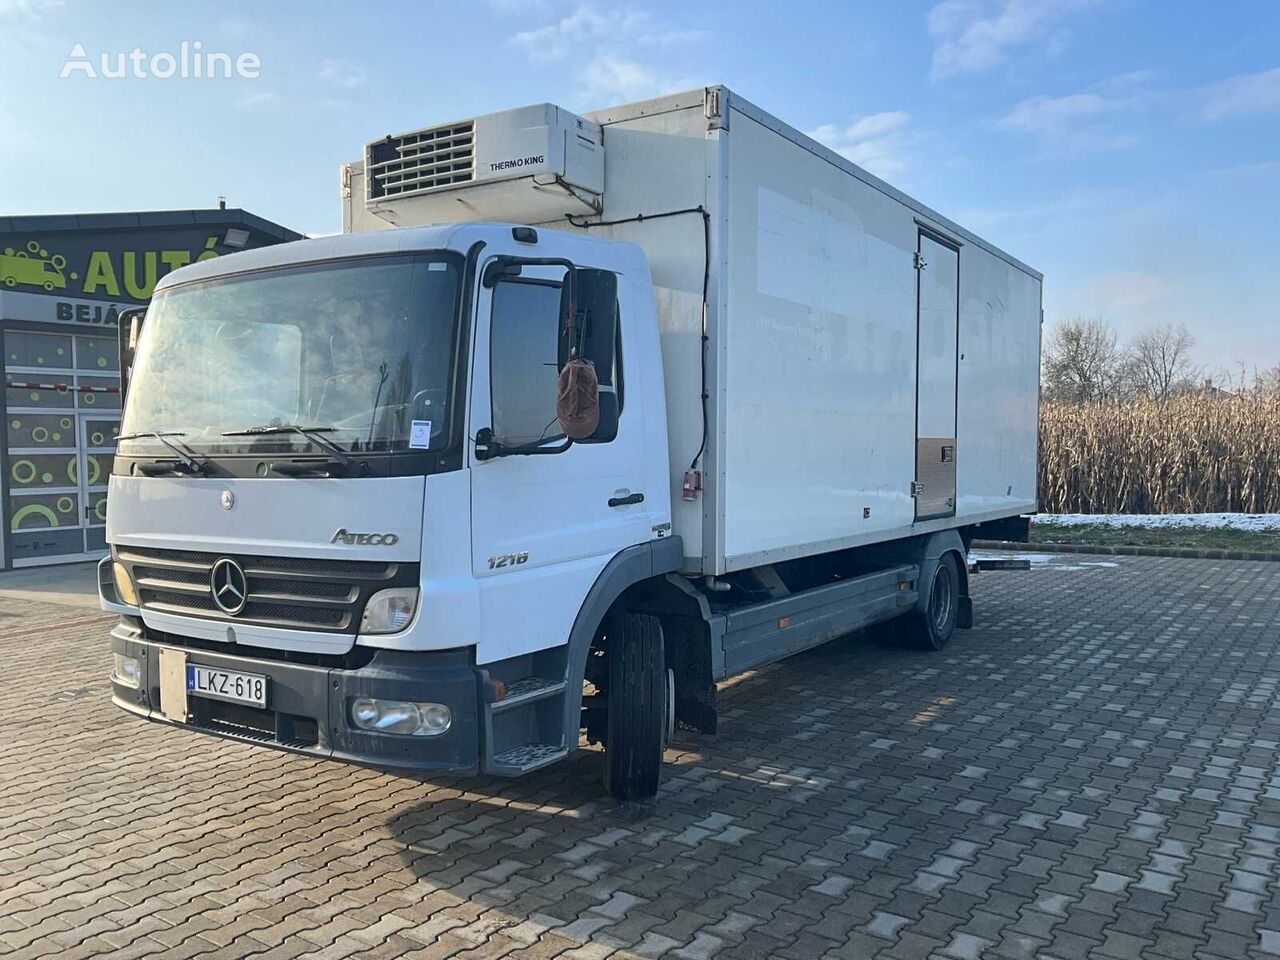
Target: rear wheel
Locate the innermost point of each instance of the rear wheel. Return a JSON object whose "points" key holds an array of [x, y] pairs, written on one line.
{"points": [[933, 627], [639, 685]]}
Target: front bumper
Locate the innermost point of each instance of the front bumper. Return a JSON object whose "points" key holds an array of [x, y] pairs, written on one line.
{"points": [[308, 707]]}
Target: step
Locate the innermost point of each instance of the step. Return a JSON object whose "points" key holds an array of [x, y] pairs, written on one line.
{"points": [[527, 690], [530, 756]]}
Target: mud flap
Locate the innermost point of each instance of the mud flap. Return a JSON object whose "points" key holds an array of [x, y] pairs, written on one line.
{"points": [[689, 657]]}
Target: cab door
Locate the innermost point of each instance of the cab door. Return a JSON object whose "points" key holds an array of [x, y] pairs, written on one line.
{"points": [[544, 524]]}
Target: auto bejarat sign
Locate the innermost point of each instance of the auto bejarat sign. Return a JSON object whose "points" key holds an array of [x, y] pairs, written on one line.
{"points": [[87, 278]]}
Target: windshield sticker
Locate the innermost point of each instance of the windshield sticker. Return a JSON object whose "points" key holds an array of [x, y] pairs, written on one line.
{"points": [[420, 435]]}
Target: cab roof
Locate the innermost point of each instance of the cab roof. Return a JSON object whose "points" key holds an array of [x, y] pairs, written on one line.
{"points": [[451, 236]]}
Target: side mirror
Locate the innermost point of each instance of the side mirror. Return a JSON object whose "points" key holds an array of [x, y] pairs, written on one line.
{"points": [[588, 332], [128, 328]]}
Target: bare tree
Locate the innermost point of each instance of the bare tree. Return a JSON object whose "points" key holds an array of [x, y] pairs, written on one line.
{"points": [[1268, 381], [1160, 361], [1083, 362]]}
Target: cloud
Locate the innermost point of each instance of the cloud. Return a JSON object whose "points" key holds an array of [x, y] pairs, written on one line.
{"points": [[611, 50], [258, 100], [608, 79], [1250, 94], [1078, 121], [29, 10], [875, 142], [520, 6], [238, 26], [587, 28], [1053, 114], [555, 40], [347, 74], [976, 35]]}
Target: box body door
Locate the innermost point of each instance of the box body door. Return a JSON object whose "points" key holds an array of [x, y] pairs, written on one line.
{"points": [[937, 356]]}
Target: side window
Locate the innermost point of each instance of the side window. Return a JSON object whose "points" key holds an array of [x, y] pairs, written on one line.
{"points": [[522, 360]]}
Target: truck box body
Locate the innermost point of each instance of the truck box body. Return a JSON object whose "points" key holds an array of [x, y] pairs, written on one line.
{"points": [[830, 396]]}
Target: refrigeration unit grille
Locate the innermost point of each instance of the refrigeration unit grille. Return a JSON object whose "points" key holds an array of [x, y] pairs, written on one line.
{"points": [[413, 162]]}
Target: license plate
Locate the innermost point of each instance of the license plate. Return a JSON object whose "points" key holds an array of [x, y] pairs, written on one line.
{"points": [[227, 685]]}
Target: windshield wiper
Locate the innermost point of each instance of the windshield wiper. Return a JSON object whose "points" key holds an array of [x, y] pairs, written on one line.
{"points": [[190, 462], [314, 434]]}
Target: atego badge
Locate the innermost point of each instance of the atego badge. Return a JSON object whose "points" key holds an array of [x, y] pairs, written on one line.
{"points": [[350, 538]]}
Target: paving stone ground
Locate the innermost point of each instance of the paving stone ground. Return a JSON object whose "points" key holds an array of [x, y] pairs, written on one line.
{"points": [[1092, 771]]}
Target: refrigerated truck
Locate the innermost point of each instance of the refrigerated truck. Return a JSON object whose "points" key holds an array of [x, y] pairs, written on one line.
{"points": [[347, 519]]}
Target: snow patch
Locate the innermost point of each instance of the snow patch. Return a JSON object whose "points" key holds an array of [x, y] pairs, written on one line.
{"points": [[1236, 521], [1043, 561]]}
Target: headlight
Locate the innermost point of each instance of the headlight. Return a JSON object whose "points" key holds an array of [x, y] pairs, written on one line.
{"points": [[400, 716], [389, 611], [124, 585]]}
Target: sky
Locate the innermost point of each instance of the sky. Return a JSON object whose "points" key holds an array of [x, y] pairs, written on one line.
{"points": [[1128, 149]]}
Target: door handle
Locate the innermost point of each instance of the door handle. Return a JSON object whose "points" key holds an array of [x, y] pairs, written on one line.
{"points": [[627, 500]]}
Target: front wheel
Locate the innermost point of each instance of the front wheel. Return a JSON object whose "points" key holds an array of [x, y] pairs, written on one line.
{"points": [[639, 688]]}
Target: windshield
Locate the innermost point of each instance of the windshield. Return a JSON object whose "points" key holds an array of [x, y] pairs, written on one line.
{"points": [[358, 351]]}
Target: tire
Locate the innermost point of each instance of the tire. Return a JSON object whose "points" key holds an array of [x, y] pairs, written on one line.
{"points": [[933, 627], [638, 683]]}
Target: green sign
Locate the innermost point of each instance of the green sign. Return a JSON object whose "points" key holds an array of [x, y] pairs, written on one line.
{"points": [[119, 266]]}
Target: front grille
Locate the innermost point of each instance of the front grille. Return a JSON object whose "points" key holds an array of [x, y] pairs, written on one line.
{"points": [[413, 162], [291, 592]]}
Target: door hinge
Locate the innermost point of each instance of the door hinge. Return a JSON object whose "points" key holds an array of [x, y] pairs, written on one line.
{"points": [[918, 261], [714, 109], [917, 488]]}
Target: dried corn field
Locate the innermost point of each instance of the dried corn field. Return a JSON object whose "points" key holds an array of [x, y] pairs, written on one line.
{"points": [[1192, 454]]}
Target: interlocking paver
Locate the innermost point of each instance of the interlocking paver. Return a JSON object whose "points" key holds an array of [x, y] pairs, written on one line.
{"points": [[1091, 772]]}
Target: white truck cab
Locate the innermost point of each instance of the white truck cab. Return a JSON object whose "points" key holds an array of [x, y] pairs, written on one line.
{"points": [[349, 515]]}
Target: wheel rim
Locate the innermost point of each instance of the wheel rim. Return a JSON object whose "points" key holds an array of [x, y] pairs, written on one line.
{"points": [[943, 599]]}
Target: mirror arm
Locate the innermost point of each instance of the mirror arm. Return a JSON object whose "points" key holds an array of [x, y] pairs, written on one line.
{"points": [[128, 323], [487, 448]]}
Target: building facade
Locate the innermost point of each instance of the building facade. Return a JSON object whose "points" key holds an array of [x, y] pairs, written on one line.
{"points": [[63, 281]]}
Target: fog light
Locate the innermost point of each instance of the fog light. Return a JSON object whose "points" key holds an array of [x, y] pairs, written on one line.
{"points": [[124, 585], [127, 671], [401, 716], [389, 611]]}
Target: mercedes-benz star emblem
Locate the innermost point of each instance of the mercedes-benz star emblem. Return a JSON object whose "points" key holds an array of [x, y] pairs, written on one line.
{"points": [[228, 499], [229, 586]]}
